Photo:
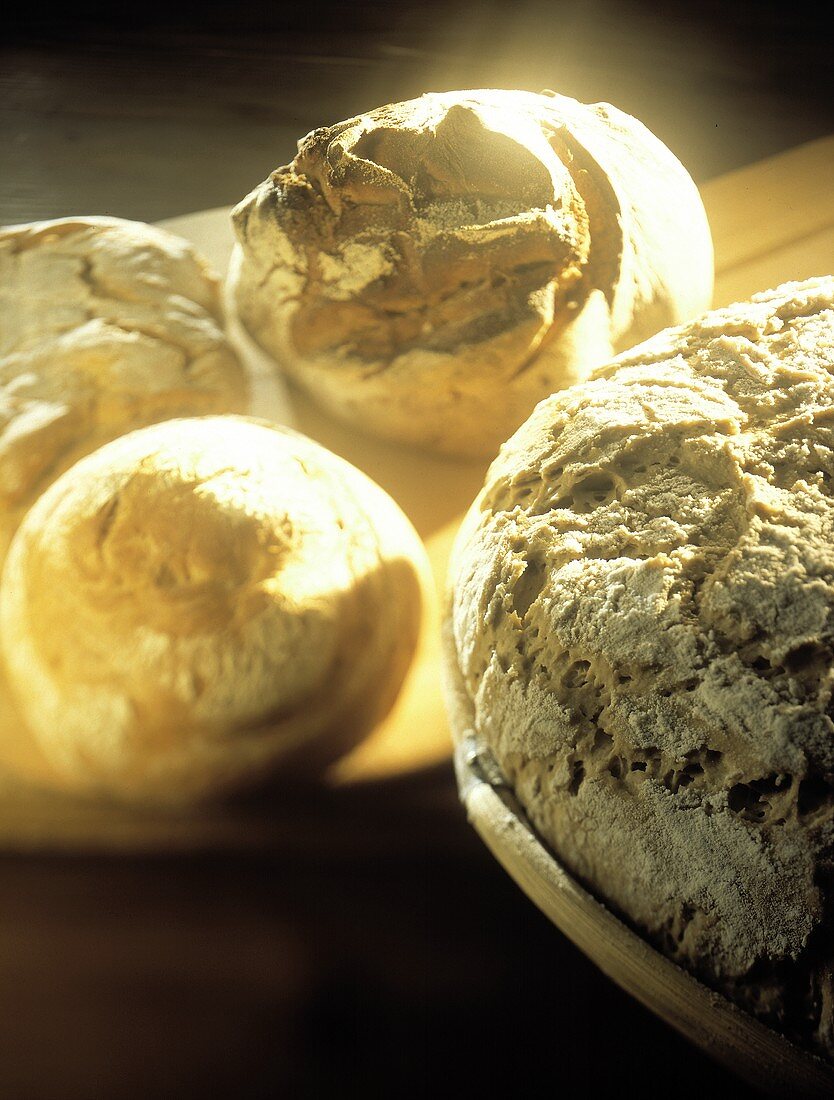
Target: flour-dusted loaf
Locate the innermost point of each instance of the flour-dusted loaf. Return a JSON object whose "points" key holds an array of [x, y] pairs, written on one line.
{"points": [[428, 271], [203, 601], [641, 630], [105, 325]]}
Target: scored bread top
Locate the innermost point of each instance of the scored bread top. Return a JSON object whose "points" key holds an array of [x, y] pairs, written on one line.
{"points": [[432, 268]]}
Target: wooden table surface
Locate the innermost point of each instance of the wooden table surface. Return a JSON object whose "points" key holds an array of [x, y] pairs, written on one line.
{"points": [[375, 945]]}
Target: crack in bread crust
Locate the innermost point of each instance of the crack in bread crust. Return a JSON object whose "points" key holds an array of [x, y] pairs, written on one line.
{"points": [[433, 268], [105, 325]]}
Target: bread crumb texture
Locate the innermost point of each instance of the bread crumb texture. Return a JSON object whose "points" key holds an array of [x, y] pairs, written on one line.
{"points": [[105, 326], [643, 618], [431, 269], [203, 600]]}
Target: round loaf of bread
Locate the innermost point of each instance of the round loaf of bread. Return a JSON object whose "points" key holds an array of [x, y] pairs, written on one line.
{"points": [[641, 632], [203, 601], [105, 326], [428, 271]]}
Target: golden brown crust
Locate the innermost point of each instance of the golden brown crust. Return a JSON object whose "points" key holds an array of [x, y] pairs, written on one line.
{"points": [[433, 268]]}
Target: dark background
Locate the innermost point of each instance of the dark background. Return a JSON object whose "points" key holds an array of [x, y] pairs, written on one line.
{"points": [[382, 952], [152, 110]]}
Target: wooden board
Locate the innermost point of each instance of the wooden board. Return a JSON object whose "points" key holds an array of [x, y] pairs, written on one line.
{"points": [[772, 222]]}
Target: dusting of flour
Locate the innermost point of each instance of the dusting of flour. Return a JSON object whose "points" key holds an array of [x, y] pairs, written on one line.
{"points": [[644, 620]]}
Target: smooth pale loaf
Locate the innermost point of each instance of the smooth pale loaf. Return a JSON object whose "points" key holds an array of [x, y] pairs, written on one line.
{"points": [[203, 602]]}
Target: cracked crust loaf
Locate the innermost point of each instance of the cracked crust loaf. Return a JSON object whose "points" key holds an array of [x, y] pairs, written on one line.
{"points": [[203, 601], [431, 269], [105, 325], [642, 626]]}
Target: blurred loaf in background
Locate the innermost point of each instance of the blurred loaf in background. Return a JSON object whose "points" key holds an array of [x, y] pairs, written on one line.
{"points": [[105, 326]]}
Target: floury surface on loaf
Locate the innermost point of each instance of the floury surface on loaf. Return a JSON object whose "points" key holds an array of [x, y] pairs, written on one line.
{"points": [[202, 602], [431, 269], [105, 325], [643, 626]]}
